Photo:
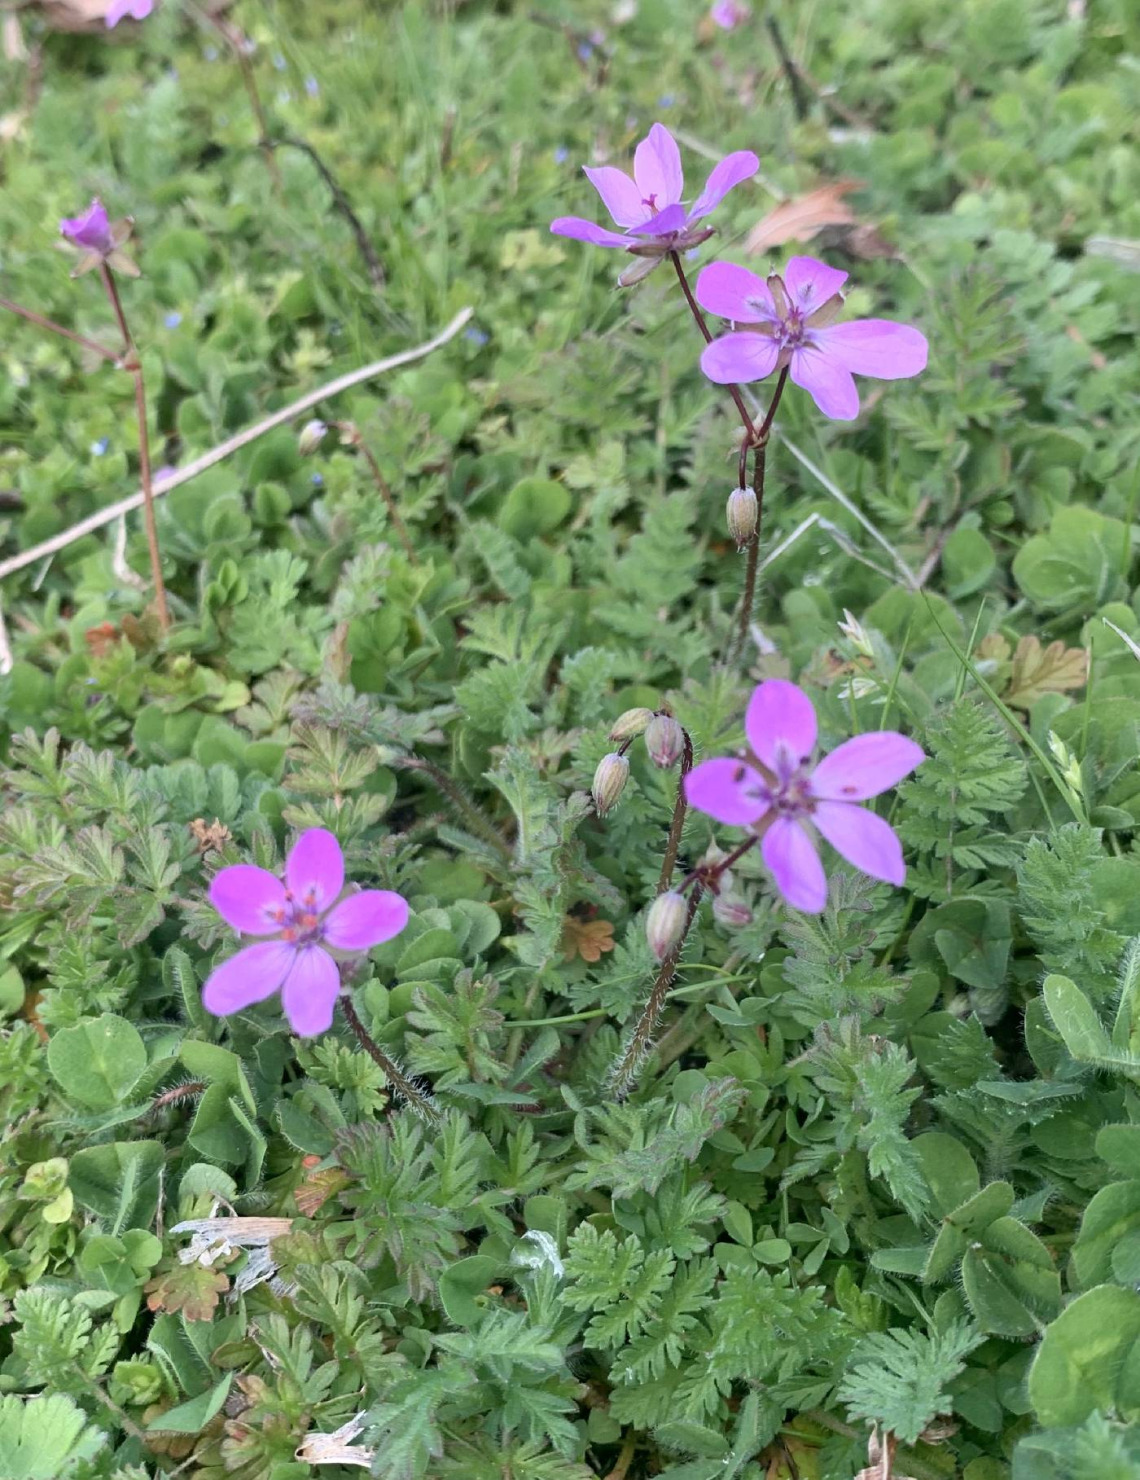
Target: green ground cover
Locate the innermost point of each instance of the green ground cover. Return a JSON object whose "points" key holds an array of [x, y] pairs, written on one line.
{"points": [[876, 1189]]}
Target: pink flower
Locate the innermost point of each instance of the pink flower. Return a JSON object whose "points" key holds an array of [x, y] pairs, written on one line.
{"points": [[138, 10], [794, 797], [91, 231], [648, 206], [728, 14], [793, 317], [303, 917]]}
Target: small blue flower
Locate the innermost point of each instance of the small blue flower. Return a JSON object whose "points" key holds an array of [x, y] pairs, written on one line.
{"points": [[561, 154], [585, 51], [100, 447], [476, 336], [284, 96], [692, 254], [312, 87], [172, 319], [666, 100], [211, 53], [316, 480], [279, 61]]}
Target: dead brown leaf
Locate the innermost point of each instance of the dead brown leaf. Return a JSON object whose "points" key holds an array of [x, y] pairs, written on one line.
{"points": [[1035, 671], [190, 1288], [824, 209], [586, 938]]}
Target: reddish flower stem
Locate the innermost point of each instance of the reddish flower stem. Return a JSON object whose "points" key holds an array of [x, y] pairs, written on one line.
{"points": [[699, 318], [418, 1100], [759, 469], [50, 324], [130, 359], [357, 441], [680, 807]]}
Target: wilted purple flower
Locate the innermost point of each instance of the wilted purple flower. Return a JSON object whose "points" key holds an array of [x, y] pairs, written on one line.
{"points": [[91, 231], [793, 317], [728, 14], [792, 797], [138, 10], [304, 918], [649, 205]]}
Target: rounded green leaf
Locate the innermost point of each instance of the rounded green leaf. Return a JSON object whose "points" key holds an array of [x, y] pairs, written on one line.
{"points": [[1087, 1358], [98, 1061]]}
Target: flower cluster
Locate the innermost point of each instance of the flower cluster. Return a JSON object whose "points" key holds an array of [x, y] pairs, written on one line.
{"points": [[789, 318], [305, 918], [779, 793]]}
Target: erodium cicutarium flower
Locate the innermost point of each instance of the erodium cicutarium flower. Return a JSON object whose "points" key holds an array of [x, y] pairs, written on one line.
{"points": [[90, 232], [305, 918], [118, 10], [789, 798], [648, 206], [791, 321]]}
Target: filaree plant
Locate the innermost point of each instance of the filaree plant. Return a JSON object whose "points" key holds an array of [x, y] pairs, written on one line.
{"points": [[570, 741]]}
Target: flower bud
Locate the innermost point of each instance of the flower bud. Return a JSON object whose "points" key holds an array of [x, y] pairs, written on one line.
{"points": [[609, 781], [732, 911], [664, 740], [711, 859], [665, 922], [312, 435], [742, 511], [631, 724]]}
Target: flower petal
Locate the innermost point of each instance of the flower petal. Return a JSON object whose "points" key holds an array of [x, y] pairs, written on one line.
{"points": [[365, 920], [249, 898], [671, 219], [735, 293], [314, 870], [780, 724], [877, 347], [736, 358], [620, 195], [657, 168], [864, 839], [310, 992], [728, 790], [586, 231], [250, 976], [137, 9], [727, 175], [865, 766], [829, 385], [794, 865], [811, 283], [91, 230]]}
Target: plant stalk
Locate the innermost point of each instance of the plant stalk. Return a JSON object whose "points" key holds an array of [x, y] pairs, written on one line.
{"points": [[625, 1071], [680, 807], [418, 1100]]}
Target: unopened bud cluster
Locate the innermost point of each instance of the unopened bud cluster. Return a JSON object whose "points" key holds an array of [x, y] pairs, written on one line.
{"points": [[742, 512], [665, 922]]}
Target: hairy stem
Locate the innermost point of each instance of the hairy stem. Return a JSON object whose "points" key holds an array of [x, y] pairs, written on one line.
{"points": [[680, 807], [699, 319], [42, 323], [131, 360], [474, 815], [625, 1071], [386, 494], [418, 1100], [738, 642]]}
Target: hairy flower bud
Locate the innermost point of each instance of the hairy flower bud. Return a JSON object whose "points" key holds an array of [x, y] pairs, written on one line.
{"points": [[664, 740], [742, 512], [312, 435], [732, 911], [665, 922], [631, 724], [609, 781]]}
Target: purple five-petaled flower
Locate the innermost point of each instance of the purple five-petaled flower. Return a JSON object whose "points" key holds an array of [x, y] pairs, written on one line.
{"points": [[791, 797], [305, 920], [792, 318], [728, 14], [649, 207], [118, 10], [91, 231]]}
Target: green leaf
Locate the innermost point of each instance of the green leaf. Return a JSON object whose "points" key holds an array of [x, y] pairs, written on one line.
{"points": [[193, 1416], [1089, 1358], [1112, 1215], [119, 1182], [1009, 1279], [1075, 1018], [45, 1437], [98, 1061], [462, 1288]]}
